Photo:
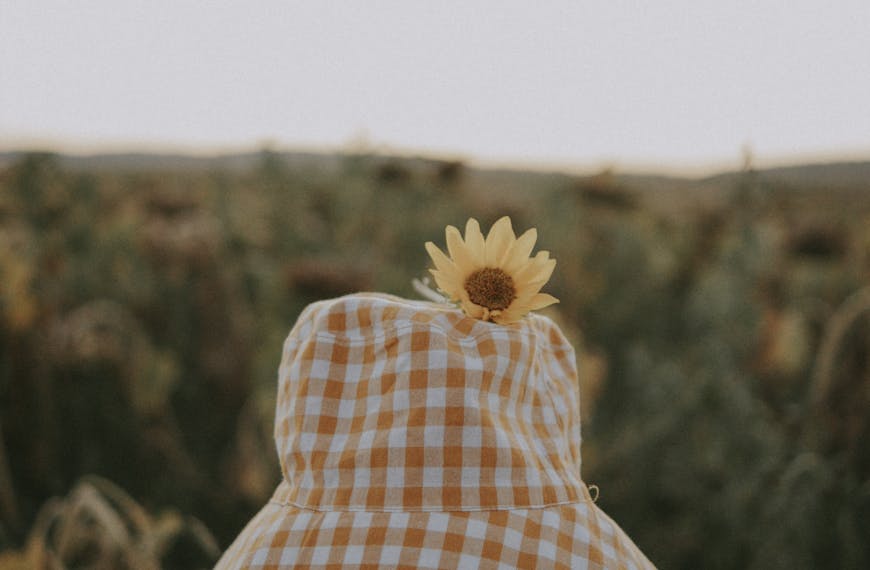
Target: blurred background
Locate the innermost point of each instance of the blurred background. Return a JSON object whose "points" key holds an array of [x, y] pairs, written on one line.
{"points": [[177, 183]]}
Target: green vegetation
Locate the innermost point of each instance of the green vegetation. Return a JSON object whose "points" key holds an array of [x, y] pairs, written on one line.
{"points": [[722, 328]]}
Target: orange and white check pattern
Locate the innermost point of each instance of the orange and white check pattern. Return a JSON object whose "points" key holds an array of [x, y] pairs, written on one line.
{"points": [[412, 436]]}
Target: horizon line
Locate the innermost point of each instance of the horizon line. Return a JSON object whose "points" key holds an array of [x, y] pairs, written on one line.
{"points": [[644, 166]]}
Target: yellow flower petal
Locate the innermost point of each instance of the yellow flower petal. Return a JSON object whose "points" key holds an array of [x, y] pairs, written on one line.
{"points": [[542, 300], [520, 251], [539, 265], [446, 284], [541, 277], [441, 261], [475, 242], [509, 316], [498, 242], [461, 255]]}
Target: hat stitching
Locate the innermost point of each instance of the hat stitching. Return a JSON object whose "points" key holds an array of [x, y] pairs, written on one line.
{"points": [[584, 498]]}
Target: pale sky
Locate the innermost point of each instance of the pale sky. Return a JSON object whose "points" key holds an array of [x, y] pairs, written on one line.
{"points": [[661, 82]]}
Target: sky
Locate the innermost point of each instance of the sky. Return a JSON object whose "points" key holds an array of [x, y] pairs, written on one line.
{"points": [[666, 83]]}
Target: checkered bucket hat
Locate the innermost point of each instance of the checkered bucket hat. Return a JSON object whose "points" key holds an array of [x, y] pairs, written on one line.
{"points": [[413, 436]]}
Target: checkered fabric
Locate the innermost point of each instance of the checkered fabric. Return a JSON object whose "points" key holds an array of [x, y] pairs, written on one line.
{"points": [[412, 436]]}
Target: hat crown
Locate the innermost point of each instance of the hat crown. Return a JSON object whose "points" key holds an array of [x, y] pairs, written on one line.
{"points": [[388, 404]]}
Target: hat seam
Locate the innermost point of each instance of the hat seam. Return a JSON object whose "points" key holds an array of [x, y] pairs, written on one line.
{"points": [[283, 487], [347, 340], [290, 504]]}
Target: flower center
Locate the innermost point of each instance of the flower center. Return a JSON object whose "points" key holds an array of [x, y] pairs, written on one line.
{"points": [[491, 288]]}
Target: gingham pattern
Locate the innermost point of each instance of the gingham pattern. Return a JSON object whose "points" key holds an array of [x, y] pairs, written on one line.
{"points": [[572, 536], [412, 436]]}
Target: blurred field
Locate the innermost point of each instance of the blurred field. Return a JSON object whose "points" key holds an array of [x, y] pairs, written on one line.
{"points": [[722, 326]]}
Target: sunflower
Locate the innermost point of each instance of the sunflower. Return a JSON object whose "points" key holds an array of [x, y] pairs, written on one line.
{"points": [[493, 279]]}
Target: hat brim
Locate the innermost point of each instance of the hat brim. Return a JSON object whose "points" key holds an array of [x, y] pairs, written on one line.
{"points": [[574, 535]]}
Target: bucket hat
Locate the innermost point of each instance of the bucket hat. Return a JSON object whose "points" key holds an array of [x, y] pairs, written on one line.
{"points": [[411, 435]]}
